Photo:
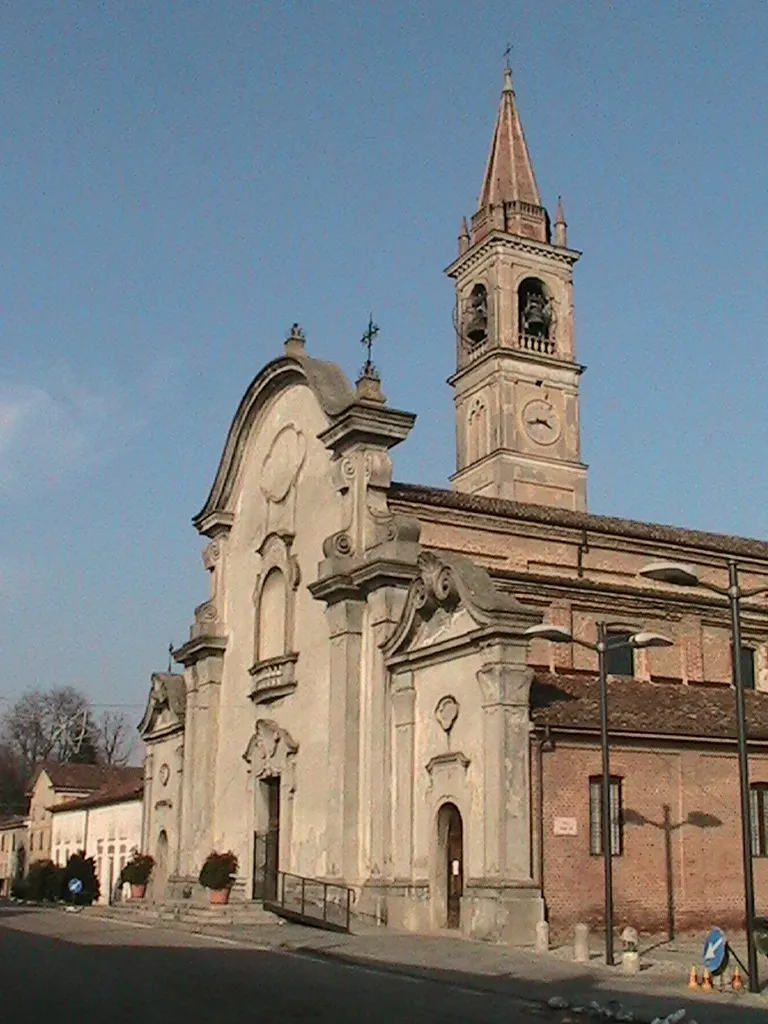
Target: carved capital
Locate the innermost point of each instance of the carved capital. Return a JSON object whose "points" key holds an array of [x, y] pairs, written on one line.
{"points": [[403, 707], [501, 683]]}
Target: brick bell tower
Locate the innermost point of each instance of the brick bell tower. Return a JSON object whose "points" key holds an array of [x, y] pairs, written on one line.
{"points": [[516, 385]]}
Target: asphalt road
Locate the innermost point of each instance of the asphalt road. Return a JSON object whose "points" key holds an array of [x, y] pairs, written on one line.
{"points": [[64, 967]]}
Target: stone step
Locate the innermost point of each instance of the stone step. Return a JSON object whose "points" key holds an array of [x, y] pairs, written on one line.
{"points": [[233, 913]]}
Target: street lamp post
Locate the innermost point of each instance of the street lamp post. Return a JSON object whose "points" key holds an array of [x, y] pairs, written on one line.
{"points": [[604, 643], [686, 576]]}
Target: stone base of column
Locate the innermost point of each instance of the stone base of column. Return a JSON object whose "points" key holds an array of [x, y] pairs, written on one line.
{"points": [[504, 915]]}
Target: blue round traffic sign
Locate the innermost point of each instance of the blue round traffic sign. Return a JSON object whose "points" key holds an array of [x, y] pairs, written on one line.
{"points": [[715, 949], [75, 886]]}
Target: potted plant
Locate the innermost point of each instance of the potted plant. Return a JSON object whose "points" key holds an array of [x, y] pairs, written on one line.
{"points": [[136, 873], [218, 875]]}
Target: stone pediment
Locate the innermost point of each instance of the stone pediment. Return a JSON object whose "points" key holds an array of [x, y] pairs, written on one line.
{"points": [[333, 392], [450, 602], [166, 706]]}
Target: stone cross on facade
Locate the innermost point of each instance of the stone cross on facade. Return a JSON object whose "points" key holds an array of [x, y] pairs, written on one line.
{"points": [[369, 370]]}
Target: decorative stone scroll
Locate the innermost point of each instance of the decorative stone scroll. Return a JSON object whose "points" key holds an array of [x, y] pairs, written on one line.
{"points": [[271, 752], [452, 596]]}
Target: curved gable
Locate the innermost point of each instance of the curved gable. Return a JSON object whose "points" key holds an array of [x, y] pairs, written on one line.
{"points": [[332, 390]]}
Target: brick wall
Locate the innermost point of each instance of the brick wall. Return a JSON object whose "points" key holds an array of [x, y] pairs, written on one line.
{"points": [[707, 877]]}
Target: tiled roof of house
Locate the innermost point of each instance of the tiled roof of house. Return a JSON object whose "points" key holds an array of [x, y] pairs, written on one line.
{"points": [[653, 532], [114, 793], [19, 821], [84, 777], [670, 709]]}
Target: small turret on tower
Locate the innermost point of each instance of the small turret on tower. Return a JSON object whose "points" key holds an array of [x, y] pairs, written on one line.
{"points": [[560, 225]]}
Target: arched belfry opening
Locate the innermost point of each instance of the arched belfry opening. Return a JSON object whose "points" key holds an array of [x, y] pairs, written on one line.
{"points": [[476, 317], [534, 309]]}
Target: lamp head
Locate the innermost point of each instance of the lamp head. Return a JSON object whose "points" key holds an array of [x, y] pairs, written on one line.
{"points": [[676, 573], [640, 640], [553, 633]]}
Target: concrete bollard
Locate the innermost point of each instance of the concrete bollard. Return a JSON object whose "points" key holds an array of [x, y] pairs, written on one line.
{"points": [[581, 944], [630, 956], [542, 937]]}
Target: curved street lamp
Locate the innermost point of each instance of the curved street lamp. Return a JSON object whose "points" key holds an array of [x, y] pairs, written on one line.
{"points": [[679, 574], [604, 643]]}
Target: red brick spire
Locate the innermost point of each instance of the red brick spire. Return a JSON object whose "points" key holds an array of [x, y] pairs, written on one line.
{"points": [[509, 198]]}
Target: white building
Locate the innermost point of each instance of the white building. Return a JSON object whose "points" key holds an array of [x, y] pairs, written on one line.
{"points": [[106, 824], [13, 852]]}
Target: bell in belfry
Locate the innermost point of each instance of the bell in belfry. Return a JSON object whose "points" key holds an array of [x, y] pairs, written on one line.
{"points": [[536, 315], [477, 315]]}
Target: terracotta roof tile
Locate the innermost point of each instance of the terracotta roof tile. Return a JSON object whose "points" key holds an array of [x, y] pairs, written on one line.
{"points": [[114, 793], [87, 777], [15, 822], [660, 709], [653, 532]]}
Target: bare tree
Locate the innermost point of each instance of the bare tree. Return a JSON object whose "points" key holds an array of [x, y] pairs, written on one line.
{"points": [[115, 738], [48, 725]]}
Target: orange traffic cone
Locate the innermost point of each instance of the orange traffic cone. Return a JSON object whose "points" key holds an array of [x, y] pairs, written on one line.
{"points": [[693, 978], [736, 983], [706, 981]]}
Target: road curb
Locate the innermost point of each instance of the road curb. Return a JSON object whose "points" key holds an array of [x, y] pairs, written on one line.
{"points": [[434, 975]]}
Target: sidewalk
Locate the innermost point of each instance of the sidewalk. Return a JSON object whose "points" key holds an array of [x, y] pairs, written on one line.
{"points": [[659, 989]]}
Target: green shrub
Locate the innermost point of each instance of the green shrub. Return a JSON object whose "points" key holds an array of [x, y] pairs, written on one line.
{"points": [[20, 889], [219, 869], [81, 867], [138, 869], [43, 881]]}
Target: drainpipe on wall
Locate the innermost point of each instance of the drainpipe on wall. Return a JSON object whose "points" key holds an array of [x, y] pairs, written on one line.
{"points": [[542, 742], [85, 834]]}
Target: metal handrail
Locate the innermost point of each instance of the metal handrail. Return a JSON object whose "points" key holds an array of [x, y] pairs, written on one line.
{"points": [[311, 911]]}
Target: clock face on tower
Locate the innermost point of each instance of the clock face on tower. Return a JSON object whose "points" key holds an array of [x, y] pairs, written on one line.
{"points": [[541, 422]]}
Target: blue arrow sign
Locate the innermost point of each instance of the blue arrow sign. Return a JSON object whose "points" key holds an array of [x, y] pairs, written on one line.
{"points": [[715, 949], [75, 886]]}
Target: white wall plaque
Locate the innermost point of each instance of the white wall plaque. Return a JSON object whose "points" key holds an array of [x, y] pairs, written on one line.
{"points": [[565, 827]]}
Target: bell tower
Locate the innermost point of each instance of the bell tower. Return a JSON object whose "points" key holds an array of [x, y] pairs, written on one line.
{"points": [[516, 385]]}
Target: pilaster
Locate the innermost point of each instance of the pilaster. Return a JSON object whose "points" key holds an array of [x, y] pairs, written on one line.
{"points": [[367, 567], [148, 804], [345, 623], [404, 721], [505, 687]]}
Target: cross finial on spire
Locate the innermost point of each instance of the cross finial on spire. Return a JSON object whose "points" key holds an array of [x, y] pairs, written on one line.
{"points": [[508, 69]]}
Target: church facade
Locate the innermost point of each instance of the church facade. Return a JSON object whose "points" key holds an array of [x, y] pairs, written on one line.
{"points": [[359, 701]]}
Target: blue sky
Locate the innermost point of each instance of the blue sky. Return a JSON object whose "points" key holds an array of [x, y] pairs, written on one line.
{"points": [[182, 181]]}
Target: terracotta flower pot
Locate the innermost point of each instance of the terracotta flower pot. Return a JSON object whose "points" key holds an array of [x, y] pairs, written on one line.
{"points": [[137, 891], [218, 897]]}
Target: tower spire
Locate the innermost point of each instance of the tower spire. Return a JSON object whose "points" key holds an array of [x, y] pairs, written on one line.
{"points": [[509, 196]]}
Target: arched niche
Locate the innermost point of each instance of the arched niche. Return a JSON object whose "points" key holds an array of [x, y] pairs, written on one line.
{"points": [[274, 598]]}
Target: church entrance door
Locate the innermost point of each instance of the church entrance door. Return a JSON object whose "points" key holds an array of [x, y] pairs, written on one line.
{"points": [[451, 843], [272, 845]]}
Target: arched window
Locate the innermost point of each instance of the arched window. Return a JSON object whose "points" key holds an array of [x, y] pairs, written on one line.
{"points": [[477, 432], [272, 606]]}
